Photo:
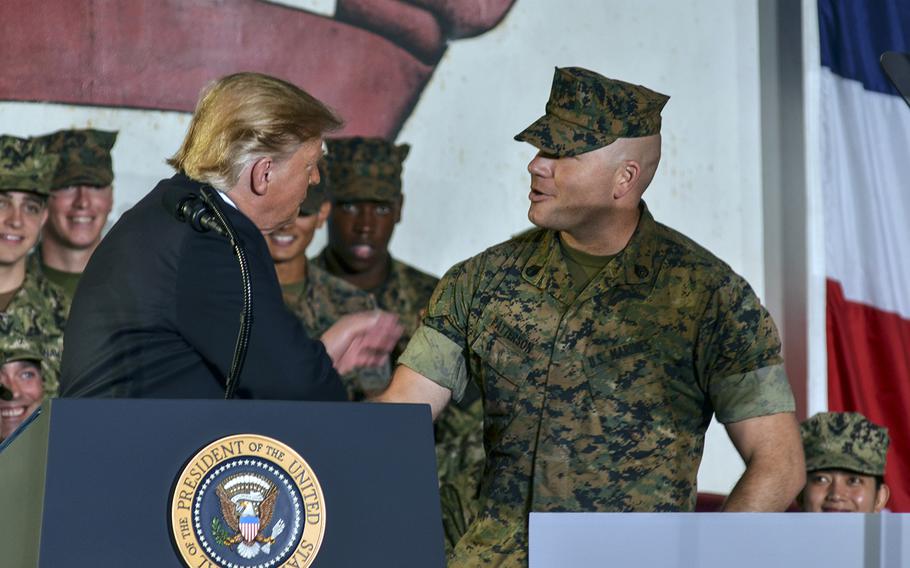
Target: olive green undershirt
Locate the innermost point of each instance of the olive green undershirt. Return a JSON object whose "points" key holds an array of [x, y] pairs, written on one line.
{"points": [[65, 280], [582, 266], [294, 289]]}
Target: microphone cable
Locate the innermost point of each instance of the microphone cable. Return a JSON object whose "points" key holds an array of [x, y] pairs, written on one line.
{"points": [[208, 196]]}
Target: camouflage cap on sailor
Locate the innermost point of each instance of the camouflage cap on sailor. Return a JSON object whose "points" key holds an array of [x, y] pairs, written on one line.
{"points": [[25, 166], [587, 111], [365, 169], [14, 347], [85, 156], [316, 194], [844, 440]]}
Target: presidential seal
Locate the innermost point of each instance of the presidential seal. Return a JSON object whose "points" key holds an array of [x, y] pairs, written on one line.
{"points": [[247, 501]]}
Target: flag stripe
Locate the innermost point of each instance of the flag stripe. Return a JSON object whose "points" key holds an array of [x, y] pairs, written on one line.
{"points": [[865, 179], [850, 50], [869, 371]]}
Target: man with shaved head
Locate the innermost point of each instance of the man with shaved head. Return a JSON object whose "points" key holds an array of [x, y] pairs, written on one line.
{"points": [[602, 341]]}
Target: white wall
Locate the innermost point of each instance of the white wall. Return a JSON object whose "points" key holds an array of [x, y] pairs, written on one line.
{"points": [[465, 180]]}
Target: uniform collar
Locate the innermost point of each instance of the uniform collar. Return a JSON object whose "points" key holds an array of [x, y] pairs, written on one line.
{"points": [[637, 263]]}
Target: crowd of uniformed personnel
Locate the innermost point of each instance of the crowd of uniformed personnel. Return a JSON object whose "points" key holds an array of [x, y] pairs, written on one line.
{"points": [[548, 446]]}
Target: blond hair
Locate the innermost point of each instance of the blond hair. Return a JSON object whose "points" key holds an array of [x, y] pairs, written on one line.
{"points": [[245, 116]]}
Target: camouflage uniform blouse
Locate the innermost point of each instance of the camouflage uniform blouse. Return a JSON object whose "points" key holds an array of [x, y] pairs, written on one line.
{"points": [[405, 292], [459, 445], [38, 311], [65, 282], [319, 302], [597, 402]]}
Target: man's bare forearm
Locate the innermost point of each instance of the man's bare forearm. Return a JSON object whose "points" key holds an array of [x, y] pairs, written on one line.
{"points": [[775, 466], [408, 385], [766, 488]]}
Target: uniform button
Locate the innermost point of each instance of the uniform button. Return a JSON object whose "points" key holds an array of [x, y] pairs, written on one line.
{"points": [[641, 271], [532, 270]]}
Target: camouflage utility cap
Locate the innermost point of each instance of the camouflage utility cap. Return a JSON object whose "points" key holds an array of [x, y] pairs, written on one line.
{"points": [[14, 347], [365, 169], [85, 157], [587, 111], [25, 166], [844, 440], [316, 194]]}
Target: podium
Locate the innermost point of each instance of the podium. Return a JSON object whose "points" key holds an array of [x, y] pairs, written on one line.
{"points": [[719, 540], [94, 482]]}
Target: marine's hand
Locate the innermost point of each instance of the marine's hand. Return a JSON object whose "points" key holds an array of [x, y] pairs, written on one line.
{"points": [[364, 339]]}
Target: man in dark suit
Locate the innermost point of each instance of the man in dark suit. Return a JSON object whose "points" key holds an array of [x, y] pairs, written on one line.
{"points": [[156, 311]]}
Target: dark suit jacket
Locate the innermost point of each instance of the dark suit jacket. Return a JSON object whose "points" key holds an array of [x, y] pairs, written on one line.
{"points": [[157, 311]]}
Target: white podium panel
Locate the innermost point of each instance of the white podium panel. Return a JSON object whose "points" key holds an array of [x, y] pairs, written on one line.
{"points": [[709, 540]]}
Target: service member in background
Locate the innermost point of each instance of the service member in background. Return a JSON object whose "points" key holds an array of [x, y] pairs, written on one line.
{"points": [[315, 296], [367, 201], [31, 307], [603, 342], [366, 205], [80, 202], [21, 381], [845, 464]]}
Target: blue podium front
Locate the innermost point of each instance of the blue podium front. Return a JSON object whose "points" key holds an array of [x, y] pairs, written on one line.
{"points": [[232, 483]]}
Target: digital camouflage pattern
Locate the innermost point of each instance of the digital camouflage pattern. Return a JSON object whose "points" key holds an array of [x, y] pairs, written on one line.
{"points": [[405, 292], [65, 282], [16, 347], [37, 314], [587, 111], [320, 301], [845, 440], [19, 348], [459, 463], [596, 401], [85, 156], [458, 430], [25, 166], [365, 169]]}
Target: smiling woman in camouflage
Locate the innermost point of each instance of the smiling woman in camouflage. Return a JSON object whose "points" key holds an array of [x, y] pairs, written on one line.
{"points": [[845, 464]]}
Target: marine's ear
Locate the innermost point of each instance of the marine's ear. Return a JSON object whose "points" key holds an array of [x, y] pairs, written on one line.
{"points": [[626, 178]]}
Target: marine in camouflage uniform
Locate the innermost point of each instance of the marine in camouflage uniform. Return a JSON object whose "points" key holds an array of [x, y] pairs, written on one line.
{"points": [[22, 395], [596, 395], [846, 454], [369, 170], [84, 160], [320, 299], [37, 311]]}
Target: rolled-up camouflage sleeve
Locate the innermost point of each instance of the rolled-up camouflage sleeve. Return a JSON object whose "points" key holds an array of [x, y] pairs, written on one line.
{"points": [[437, 349], [437, 358], [739, 358]]}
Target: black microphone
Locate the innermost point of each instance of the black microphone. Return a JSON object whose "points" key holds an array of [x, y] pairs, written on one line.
{"points": [[5, 393], [193, 210]]}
